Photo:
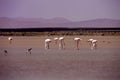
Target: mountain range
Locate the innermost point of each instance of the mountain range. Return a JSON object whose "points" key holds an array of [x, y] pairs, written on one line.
{"points": [[6, 22]]}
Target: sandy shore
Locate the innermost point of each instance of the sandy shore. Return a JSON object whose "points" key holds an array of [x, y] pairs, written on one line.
{"points": [[30, 41]]}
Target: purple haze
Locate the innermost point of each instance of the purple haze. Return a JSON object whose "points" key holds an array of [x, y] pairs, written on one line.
{"points": [[76, 10]]}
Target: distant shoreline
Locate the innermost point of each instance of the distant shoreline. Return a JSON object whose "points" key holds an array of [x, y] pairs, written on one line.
{"points": [[55, 29], [59, 31]]}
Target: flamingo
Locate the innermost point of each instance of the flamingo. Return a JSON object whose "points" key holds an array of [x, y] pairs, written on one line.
{"points": [[93, 43], [61, 43], [5, 52], [77, 41], [10, 39], [47, 43], [56, 40], [29, 50]]}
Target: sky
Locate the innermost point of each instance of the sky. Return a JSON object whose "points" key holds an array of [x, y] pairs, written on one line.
{"points": [[76, 10]]}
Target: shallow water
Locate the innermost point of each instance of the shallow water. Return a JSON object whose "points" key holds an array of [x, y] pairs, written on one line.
{"points": [[54, 64]]}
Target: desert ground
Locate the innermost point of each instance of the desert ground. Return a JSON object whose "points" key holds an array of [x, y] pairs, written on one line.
{"points": [[102, 63]]}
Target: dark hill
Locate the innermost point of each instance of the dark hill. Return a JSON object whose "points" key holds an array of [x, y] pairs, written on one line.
{"points": [[56, 23]]}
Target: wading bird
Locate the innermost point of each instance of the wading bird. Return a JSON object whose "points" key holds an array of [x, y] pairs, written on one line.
{"points": [[10, 39], [76, 43], [61, 43], [47, 43], [93, 43], [29, 50], [56, 40], [5, 52]]}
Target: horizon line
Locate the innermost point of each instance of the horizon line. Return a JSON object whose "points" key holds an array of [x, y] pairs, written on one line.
{"points": [[58, 18]]}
